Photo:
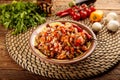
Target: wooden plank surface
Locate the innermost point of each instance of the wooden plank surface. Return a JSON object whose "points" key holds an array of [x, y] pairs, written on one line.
{"points": [[108, 4], [10, 70]]}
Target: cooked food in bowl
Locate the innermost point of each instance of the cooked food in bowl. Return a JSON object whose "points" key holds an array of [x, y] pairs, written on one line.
{"points": [[63, 40]]}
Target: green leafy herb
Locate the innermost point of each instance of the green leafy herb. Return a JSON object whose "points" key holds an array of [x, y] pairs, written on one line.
{"points": [[20, 16]]}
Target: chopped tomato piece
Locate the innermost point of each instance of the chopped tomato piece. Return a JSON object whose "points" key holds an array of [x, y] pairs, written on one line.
{"points": [[72, 49], [84, 48], [67, 48], [63, 31], [79, 41]]}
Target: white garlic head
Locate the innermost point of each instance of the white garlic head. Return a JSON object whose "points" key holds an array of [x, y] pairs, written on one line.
{"points": [[96, 26], [113, 25], [111, 16]]}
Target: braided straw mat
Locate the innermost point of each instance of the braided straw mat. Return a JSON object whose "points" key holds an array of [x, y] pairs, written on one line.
{"points": [[105, 55]]}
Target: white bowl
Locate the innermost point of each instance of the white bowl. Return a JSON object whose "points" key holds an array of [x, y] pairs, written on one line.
{"points": [[67, 61]]}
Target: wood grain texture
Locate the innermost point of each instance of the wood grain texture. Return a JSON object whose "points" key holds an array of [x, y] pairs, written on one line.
{"points": [[10, 70], [108, 4]]}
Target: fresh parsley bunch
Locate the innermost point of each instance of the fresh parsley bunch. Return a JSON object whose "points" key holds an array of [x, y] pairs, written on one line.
{"points": [[21, 15]]}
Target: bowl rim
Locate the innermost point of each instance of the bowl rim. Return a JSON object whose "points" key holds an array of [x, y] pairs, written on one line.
{"points": [[42, 57]]}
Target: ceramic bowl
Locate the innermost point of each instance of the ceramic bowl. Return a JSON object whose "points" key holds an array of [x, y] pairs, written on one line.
{"points": [[43, 57]]}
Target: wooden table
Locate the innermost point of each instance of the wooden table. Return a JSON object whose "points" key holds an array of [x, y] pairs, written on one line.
{"points": [[10, 70]]}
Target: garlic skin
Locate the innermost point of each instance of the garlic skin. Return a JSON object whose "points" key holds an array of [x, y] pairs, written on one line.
{"points": [[96, 26], [111, 16], [113, 25]]}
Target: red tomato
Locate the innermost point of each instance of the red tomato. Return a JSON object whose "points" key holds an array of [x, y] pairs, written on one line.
{"points": [[72, 49], [79, 41], [88, 11], [84, 48], [84, 6], [76, 16], [83, 14], [63, 31], [80, 8], [67, 48], [72, 12], [92, 8], [76, 8]]}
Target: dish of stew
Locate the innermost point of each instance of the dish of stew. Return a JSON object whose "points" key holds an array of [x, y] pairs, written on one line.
{"points": [[63, 40]]}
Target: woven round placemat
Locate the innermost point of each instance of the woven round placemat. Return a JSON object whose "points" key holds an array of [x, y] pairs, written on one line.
{"points": [[105, 55]]}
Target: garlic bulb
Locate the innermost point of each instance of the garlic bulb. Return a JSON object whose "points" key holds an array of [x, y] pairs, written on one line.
{"points": [[96, 26], [113, 25], [111, 16]]}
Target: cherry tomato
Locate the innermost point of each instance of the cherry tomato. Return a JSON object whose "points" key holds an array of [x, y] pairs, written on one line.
{"points": [[83, 14], [84, 6], [72, 12], [76, 8], [76, 16], [92, 8], [88, 11], [80, 8]]}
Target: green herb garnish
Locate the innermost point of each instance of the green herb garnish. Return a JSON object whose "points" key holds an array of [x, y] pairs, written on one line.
{"points": [[20, 16]]}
